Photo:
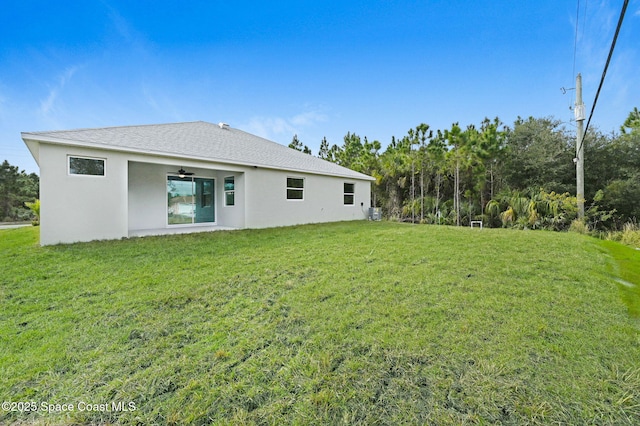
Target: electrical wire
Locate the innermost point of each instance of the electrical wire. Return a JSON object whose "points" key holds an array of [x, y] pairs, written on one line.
{"points": [[575, 41], [575, 45], [584, 26], [604, 72]]}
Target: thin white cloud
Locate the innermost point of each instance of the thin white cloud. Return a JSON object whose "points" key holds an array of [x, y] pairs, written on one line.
{"points": [[278, 127], [3, 102], [269, 127], [308, 118], [150, 99], [48, 104], [121, 25], [128, 37], [162, 104]]}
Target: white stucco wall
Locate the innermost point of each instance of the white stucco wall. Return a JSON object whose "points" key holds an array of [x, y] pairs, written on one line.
{"points": [[232, 216], [267, 204], [147, 196], [77, 207]]}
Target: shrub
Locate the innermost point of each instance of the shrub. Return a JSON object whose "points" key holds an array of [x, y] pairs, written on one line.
{"points": [[534, 210], [579, 226], [631, 235], [35, 208]]}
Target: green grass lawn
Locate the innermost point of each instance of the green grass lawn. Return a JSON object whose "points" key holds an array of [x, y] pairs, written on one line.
{"points": [[347, 323]]}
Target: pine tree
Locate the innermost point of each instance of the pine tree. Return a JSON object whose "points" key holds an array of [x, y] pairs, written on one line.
{"points": [[295, 143], [324, 149]]}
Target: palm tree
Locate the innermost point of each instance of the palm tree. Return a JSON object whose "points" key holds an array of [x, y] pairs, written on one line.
{"points": [[632, 122]]}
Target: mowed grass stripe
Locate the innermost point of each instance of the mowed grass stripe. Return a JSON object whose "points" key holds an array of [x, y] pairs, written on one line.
{"points": [[356, 323]]}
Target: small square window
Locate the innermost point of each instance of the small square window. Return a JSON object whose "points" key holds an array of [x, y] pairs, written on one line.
{"points": [[295, 189]]}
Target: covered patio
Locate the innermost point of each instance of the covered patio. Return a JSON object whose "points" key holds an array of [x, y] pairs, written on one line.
{"points": [[163, 202]]}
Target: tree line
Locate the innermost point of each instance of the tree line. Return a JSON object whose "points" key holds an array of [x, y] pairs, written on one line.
{"points": [[521, 175], [17, 188]]}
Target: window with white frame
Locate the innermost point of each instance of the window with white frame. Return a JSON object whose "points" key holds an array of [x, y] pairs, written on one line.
{"points": [[349, 194], [295, 188], [229, 191], [86, 166]]}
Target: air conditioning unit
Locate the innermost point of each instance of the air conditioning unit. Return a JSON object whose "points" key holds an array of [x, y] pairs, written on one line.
{"points": [[375, 213]]}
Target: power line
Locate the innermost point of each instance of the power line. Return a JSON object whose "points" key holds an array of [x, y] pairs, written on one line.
{"points": [[606, 66], [584, 25], [575, 51], [575, 41]]}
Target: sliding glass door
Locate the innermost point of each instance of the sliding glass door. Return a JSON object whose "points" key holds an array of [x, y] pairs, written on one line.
{"points": [[190, 200], [204, 200]]}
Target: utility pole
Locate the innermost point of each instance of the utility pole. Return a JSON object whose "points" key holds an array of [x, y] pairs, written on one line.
{"points": [[413, 186], [579, 160]]}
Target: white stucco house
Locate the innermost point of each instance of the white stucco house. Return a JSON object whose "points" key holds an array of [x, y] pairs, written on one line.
{"points": [[115, 182]]}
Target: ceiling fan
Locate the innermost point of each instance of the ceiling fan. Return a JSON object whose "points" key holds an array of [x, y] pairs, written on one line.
{"points": [[182, 173]]}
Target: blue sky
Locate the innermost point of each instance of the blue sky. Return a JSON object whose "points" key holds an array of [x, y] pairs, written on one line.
{"points": [[312, 68]]}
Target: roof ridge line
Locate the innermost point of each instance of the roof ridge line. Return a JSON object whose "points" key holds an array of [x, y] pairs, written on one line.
{"points": [[118, 127]]}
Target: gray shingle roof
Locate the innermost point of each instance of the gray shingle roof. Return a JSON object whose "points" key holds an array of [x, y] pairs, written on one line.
{"points": [[199, 140]]}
